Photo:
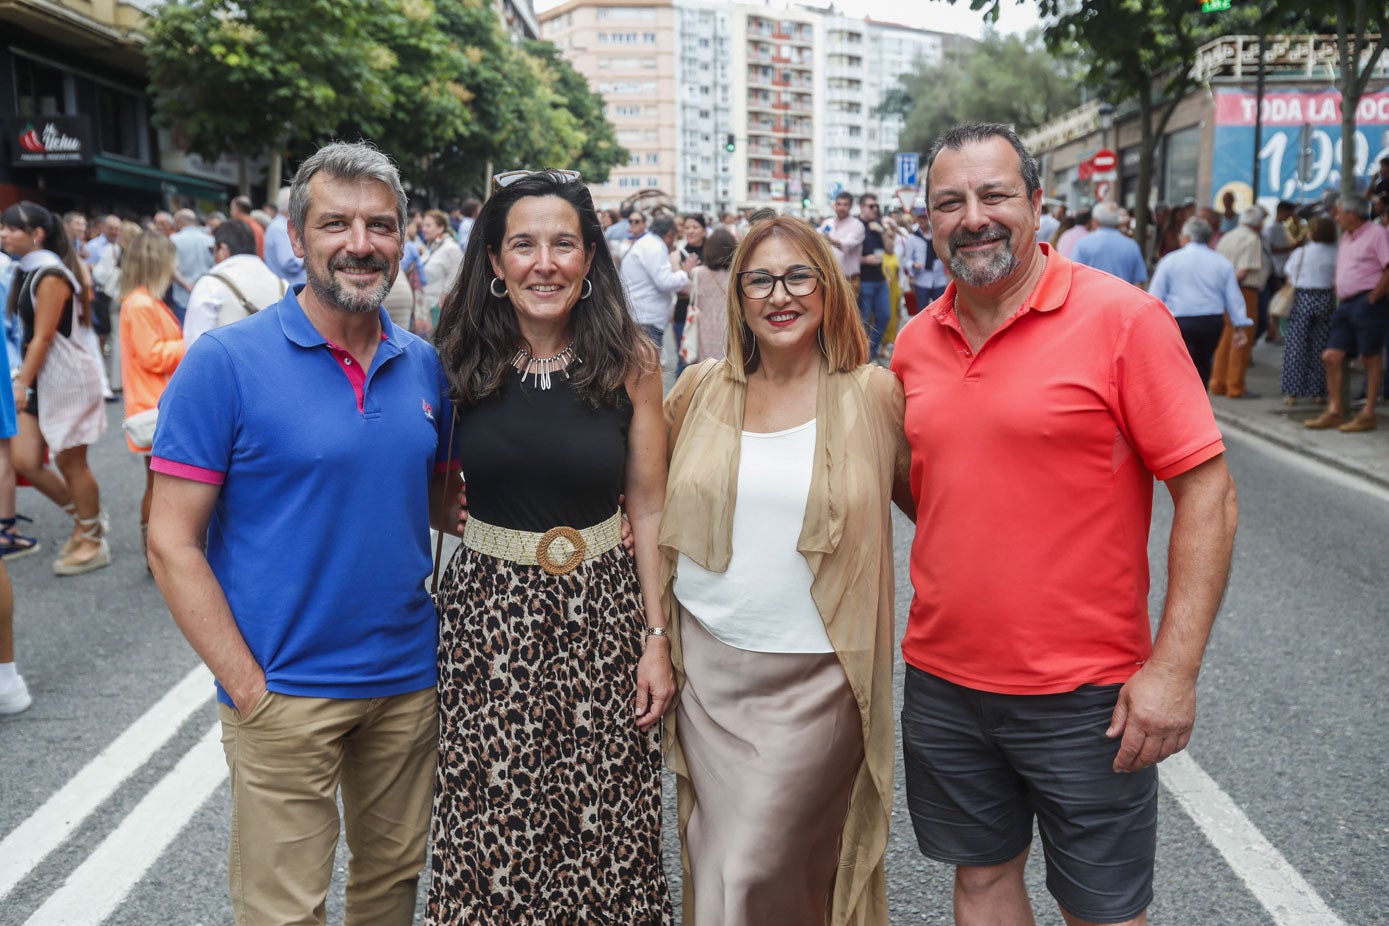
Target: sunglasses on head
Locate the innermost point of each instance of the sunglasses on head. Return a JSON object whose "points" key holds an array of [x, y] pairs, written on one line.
{"points": [[507, 178]]}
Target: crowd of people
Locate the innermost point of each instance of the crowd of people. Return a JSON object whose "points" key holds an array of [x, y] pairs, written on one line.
{"points": [[704, 577]]}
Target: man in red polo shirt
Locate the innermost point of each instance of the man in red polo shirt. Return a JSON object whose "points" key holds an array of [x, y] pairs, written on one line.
{"points": [[1043, 397]]}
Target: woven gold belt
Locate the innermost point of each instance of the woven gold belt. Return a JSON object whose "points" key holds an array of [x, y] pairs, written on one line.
{"points": [[558, 551]]}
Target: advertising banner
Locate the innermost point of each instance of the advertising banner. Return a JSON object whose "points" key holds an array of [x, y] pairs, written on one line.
{"points": [[49, 141], [1287, 168]]}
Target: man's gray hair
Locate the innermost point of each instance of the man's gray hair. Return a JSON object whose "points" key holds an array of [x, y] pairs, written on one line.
{"points": [[1198, 230], [1253, 216], [346, 161], [971, 133], [1106, 215], [661, 227], [282, 199], [185, 217], [1354, 202]]}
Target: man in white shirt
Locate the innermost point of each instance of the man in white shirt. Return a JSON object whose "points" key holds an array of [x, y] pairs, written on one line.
{"points": [[240, 284], [653, 275]]}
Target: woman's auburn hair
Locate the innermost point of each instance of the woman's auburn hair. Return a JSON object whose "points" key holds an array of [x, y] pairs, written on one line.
{"points": [[478, 336], [841, 332]]}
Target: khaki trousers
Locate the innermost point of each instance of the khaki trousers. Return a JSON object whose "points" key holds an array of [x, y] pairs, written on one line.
{"points": [[1230, 364], [288, 758]]}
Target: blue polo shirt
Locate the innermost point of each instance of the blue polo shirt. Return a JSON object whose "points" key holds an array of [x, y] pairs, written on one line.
{"points": [[1114, 252], [320, 534]]}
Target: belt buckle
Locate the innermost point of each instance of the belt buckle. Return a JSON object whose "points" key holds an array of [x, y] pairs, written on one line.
{"points": [[570, 563]]}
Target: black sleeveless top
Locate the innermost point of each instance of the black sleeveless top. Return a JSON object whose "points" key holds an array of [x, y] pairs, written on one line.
{"points": [[540, 458], [24, 308]]}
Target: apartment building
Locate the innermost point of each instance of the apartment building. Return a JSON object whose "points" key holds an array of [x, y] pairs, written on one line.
{"points": [[629, 52], [793, 90]]}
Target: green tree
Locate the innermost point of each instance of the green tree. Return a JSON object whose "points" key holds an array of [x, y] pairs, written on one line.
{"points": [[424, 106], [1140, 50], [1355, 21], [1010, 79], [245, 78]]}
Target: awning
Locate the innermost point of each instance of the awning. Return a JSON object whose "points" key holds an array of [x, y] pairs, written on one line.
{"points": [[141, 177]]}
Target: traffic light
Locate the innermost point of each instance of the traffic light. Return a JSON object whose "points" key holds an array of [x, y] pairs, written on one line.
{"points": [[731, 145], [805, 202]]}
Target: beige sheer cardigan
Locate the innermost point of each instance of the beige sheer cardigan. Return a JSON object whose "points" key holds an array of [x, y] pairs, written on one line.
{"points": [[846, 540]]}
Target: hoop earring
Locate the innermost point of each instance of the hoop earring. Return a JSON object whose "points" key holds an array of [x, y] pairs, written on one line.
{"points": [[820, 336], [584, 295], [753, 354], [491, 288]]}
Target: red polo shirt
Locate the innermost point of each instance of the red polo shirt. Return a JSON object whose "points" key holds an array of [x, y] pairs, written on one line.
{"points": [[1032, 468]]}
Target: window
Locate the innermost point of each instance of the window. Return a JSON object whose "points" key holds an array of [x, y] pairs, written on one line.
{"points": [[39, 90], [1181, 163], [653, 157], [120, 118]]}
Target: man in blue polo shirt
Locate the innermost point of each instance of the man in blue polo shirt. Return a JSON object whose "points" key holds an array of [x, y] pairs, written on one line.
{"points": [[1110, 250], [301, 444]]}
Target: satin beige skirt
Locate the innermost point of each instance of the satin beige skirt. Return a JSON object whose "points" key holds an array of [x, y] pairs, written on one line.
{"points": [[772, 741]]}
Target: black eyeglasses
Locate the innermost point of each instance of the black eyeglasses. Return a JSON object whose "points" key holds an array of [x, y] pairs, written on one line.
{"points": [[507, 178], [873, 206], [759, 284]]}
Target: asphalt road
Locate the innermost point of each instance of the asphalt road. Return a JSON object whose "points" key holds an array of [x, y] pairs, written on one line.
{"points": [[1295, 809]]}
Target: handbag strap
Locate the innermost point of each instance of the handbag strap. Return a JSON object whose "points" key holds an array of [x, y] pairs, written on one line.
{"points": [[443, 510], [701, 373]]}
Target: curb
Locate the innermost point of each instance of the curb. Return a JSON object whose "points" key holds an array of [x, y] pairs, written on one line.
{"points": [[1242, 424]]}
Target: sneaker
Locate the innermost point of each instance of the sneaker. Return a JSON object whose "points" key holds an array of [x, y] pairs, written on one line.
{"points": [[16, 699], [1361, 422], [1325, 420]]}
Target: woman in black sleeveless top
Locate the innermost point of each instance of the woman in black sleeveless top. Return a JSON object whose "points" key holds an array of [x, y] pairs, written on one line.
{"points": [[554, 667]]}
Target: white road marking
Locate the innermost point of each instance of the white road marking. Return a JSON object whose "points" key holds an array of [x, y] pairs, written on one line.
{"points": [[47, 828], [1275, 884], [97, 887]]}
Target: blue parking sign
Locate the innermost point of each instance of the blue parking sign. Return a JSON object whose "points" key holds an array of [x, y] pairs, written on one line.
{"points": [[908, 163]]}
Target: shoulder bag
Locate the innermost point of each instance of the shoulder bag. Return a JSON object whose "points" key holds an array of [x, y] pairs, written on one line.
{"points": [[1282, 302]]}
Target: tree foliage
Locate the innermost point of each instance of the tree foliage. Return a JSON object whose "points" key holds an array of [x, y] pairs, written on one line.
{"points": [[1010, 79], [438, 84]]}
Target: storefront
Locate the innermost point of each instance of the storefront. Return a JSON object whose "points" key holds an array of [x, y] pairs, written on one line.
{"points": [[79, 137], [1208, 145]]}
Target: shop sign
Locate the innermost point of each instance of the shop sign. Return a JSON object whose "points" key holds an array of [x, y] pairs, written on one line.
{"points": [[49, 141], [1300, 153]]}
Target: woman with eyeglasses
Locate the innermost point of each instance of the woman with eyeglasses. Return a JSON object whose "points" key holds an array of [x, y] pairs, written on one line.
{"points": [[554, 663], [777, 561], [57, 388]]}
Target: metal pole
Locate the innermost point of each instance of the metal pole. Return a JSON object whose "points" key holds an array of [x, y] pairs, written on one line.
{"points": [[1259, 101]]}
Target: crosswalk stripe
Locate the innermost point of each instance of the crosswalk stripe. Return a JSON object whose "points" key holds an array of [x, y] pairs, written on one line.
{"points": [[97, 887], [51, 824], [1275, 884]]}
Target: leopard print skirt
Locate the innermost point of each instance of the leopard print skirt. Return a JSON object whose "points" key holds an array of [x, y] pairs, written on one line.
{"points": [[547, 806]]}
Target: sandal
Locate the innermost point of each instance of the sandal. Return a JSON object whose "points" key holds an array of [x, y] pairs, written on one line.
{"points": [[92, 529], [71, 510], [13, 544]]}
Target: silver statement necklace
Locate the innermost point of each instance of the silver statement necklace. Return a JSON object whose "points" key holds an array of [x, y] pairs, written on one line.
{"points": [[540, 368]]}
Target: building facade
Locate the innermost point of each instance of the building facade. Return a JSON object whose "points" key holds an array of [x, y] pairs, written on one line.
{"points": [[76, 120], [1208, 147], [761, 105]]}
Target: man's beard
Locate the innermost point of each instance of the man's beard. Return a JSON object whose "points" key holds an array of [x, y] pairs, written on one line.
{"points": [[977, 270], [346, 297]]}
